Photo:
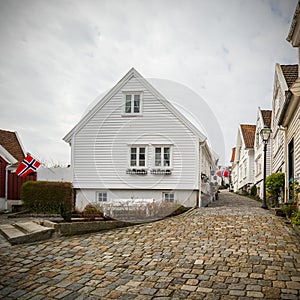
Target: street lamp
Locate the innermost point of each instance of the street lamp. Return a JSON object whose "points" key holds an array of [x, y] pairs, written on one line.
{"points": [[265, 135]]}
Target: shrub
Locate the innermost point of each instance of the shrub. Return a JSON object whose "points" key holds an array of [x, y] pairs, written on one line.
{"points": [[91, 211], [245, 193], [296, 218], [48, 197], [294, 190], [275, 184], [253, 191], [288, 209]]}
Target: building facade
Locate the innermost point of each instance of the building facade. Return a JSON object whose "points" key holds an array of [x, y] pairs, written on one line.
{"points": [[263, 119], [134, 144], [243, 158]]}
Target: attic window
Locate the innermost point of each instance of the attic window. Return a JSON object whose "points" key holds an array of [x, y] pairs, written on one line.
{"points": [[132, 103]]}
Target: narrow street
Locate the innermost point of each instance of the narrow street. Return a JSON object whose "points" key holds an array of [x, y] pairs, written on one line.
{"points": [[230, 250]]}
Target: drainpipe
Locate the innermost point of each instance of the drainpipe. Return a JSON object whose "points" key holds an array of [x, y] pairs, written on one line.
{"points": [[200, 166], [286, 176], [6, 185]]}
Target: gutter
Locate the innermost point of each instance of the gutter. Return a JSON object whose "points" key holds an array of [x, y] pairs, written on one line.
{"points": [[6, 185]]}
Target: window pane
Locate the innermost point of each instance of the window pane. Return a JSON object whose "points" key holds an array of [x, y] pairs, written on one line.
{"points": [[102, 197], [142, 157], [171, 197], [166, 156], [128, 104], [133, 157], [136, 108], [157, 157]]}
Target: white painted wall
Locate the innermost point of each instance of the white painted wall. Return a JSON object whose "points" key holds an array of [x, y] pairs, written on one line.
{"points": [[259, 156], [278, 139], [54, 174], [86, 196], [100, 149]]}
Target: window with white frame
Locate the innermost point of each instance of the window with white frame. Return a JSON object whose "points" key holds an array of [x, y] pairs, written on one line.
{"points": [[102, 197], [163, 156], [133, 103], [138, 156], [168, 196]]}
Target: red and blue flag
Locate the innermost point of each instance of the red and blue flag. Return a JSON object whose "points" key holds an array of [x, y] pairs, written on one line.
{"points": [[27, 166]]}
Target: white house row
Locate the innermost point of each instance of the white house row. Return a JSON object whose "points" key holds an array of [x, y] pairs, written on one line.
{"points": [[283, 151]]}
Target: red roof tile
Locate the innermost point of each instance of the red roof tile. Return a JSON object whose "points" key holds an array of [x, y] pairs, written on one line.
{"points": [[10, 142], [290, 73], [248, 132], [267, 117], [232, 154]]}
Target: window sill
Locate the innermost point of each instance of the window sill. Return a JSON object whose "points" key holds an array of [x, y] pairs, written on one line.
{"points": [[131, 115]]}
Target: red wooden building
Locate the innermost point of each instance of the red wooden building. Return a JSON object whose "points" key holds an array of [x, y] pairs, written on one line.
{"points": [[11, 154]]}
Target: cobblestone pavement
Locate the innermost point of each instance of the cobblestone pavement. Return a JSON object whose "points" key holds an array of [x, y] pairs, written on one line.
{"points": [[231, 250]]}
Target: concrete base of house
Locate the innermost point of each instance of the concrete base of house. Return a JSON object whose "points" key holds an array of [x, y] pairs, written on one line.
{"points": [[2, 204], [187, 198], [10, 205]]}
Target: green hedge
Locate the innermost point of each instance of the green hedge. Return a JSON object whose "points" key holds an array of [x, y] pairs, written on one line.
{"points": [[48, 197]]}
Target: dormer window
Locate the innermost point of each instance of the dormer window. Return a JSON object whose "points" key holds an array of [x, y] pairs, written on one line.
{"points": [[132, 103]]}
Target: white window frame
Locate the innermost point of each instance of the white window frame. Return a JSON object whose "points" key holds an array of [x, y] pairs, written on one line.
{"points": [[168, 194], [138, 154], [98, 194], [132, 94], [162, 157]]}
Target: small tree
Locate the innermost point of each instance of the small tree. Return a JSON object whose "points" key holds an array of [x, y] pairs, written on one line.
{"points": [[274, 186]]}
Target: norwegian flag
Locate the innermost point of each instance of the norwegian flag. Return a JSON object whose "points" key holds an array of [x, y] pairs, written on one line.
{"points": [[27, 166]]}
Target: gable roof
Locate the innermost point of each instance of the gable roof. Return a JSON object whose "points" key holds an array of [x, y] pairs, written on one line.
{"points": [[248, 133], [133, 73], [294, 22], [267, 116], [290, 73], [10, 142], [233, 154]]}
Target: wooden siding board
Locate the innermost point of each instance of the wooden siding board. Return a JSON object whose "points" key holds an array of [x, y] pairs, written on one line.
{"points": [[293, 131], [3, 165], [15, 183]]}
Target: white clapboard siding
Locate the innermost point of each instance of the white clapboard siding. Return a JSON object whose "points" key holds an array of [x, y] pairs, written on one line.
{"points": [[101, 147], [293, 131], [280, 86]]}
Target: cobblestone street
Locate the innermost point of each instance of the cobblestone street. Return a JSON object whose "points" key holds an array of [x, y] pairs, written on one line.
{"points": [[231, 250]]}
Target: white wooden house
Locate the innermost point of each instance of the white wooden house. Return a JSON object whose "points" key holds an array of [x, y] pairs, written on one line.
{"points": [[234, 171], [289, 112], [243, 162], [134, 144], [285, 76], [263, 119]]}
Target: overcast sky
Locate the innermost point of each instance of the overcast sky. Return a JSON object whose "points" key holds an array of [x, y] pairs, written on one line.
{"points": [[56, 57]]}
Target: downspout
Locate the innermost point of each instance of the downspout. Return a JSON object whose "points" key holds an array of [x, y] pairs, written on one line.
{"points": [[200, 165], [286, 176], [6, 185]]}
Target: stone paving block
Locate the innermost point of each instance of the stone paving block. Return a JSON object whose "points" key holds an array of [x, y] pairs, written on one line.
{"points": [[204, 290], [237, 293], [289, 296], [255, 294]]}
